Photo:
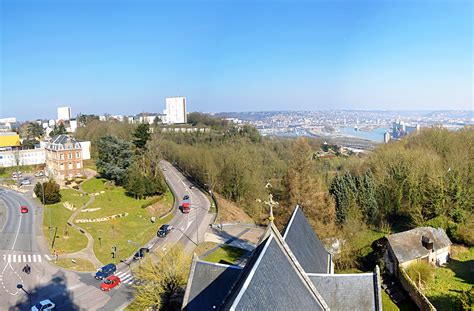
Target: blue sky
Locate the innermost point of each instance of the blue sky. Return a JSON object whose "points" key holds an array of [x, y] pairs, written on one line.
{"points": [[127, 56]]}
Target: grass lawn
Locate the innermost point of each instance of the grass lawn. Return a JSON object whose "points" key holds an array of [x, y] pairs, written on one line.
{"points": [[225, 254], [72, 241], [90, 164], [449, 281], [94, 185], [116, 232], [79, 264]]}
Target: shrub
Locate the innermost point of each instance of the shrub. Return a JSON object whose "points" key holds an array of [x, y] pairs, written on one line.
{"points": [[421, 273]]}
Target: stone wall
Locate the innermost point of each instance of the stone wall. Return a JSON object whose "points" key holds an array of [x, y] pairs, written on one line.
{"points": [[414, 292]]}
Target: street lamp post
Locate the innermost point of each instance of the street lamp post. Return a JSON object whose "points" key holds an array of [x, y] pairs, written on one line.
{"points": [[20, 286]]}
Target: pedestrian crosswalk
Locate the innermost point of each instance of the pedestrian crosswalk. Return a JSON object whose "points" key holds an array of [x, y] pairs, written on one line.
{"points": [[125, 277], [23, 258]]}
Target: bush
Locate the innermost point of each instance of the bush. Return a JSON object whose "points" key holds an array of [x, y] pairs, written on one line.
{"points": [[421, 273]]}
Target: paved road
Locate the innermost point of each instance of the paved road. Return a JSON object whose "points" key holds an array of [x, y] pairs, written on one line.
{"points": [[22, 242]]}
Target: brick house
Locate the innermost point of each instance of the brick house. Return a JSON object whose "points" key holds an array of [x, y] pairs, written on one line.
{"points": [[63, 157]]}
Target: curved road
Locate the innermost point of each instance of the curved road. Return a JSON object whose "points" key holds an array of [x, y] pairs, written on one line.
{"points": [[22, 242]]}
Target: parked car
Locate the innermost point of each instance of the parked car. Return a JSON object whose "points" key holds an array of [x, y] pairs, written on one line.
{"points": [[44, 305], [105, 271], [16, 174], [164, 230], [110, 283], [141, 253], [39, 174], [23, 209], [186, 197], [191, 187], [25, 182]]}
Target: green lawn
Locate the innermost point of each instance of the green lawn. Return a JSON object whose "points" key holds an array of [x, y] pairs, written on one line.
{"points": [[449, 281], [68, 240], [94, 185], [135, 227], [79, 264], [225, 254]]}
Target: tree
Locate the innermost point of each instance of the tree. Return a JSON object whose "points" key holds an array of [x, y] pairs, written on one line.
{"points": [[35, 130], [58, 130], [156, 120], [51, 193], [29, 143], [114, 158], [162, 281], [343, 190], [141, 136]]}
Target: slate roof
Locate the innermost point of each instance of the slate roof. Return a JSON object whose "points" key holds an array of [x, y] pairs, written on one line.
{"points": [[359, 291], [407, 245], [305, 244], [208, 285], [273, 280], [62, 139], [63, 142]]}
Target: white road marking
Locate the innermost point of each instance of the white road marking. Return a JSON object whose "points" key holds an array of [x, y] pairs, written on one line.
{"points": [[24, 258], [34, 258], [29, 258], [47, 257], [39, 258], [9, 258], [120, 274], [17, 232], [13, 258]]}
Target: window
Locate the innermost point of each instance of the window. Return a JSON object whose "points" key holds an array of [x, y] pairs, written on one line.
{"points": [[70, 166], [69, 156], [61, 156], [78, 155], [61, 167]]}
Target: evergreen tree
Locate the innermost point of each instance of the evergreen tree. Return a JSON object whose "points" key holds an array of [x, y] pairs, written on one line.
{"points": [[114, 158], [141, 136]]}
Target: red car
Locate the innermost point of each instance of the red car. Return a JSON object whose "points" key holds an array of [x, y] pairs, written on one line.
{"points": [[110, 283], [23, 209]]}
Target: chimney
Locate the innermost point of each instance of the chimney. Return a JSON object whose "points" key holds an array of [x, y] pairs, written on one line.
{"points": [[427, 243]]}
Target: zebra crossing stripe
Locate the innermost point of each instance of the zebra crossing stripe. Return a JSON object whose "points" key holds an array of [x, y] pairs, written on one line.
{"points": [[39, 258], [127, 277], [13, 258], [24, 258], [34, 258], [47, 257], [120, 274], [29, 258], [9, 258]]}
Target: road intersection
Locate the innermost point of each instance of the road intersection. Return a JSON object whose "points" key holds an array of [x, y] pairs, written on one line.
{"points": [[22, 242]]}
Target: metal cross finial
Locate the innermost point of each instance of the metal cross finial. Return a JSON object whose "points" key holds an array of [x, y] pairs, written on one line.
{"points": [[271, 203]]}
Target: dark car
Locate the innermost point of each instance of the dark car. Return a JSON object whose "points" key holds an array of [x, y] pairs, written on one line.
{"points": [[141, 253], [105, 271], [186, 197], [164, 230]]}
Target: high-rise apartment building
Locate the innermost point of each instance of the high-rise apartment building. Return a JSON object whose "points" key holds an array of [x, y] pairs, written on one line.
{"points": [[64, 113], [175, 111]]}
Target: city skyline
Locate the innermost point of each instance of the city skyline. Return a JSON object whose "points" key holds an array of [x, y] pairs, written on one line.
{"points": [[263, 56]]}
